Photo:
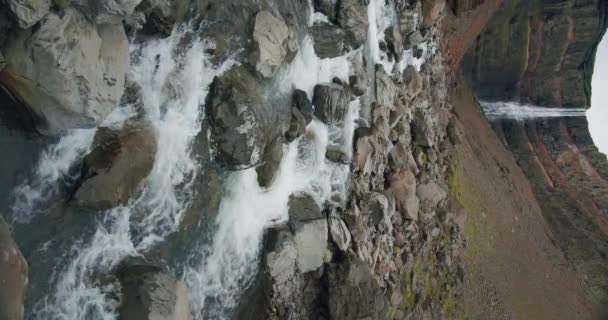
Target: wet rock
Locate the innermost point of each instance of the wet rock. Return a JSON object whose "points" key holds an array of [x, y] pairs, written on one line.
{"points": [[403, 186], [331, 41], [386, 89], [336, 154], [413, 81], [161, 15], [281, 255], [430, 194], [234, 108], [271, 39], [150, 294], [394, 41], [331, 103], [431, 11], [339, 233], [414, 39], [297, 125], [28, 12], [72, 88], [354, 293], [303, 104], [267, 171], [106, 11], [13, 278], [327, 7], [303, 207], [116, 166], [359, 78], [310, 239], [352, 16], [409, 19]]}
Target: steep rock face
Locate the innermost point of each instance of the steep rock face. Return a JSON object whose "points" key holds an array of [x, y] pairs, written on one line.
{"points": [[539, 52], [69, 72], [542, 53]]}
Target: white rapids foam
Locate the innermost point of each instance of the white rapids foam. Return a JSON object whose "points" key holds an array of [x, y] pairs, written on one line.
{"points": [[521, 112], [174, 78], [53, 165], [246, 209]]}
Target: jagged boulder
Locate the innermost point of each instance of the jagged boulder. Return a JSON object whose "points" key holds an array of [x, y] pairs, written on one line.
{"points": [[430, 195], [331, 102], [352, 16], [403, 186], [354, 293], [28, 12], [303, 207], [116, 166], [68, 71], [297, 125], [13, 278], [413, 81], [234, 107], [303, 104], [150, 294], [272, 44], [310, 239], [267, 171], [331, 41]]}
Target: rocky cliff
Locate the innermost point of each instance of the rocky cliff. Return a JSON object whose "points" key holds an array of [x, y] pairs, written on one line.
{"points": [[283, 159], [542, 53]]}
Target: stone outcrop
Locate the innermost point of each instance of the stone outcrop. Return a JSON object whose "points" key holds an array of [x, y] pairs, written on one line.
{"points": [[68, 71], [150, 294], [273, 42], [120, 159], [237, 113], [13, 278], [28, 12], [546, 59], [538, 52]]}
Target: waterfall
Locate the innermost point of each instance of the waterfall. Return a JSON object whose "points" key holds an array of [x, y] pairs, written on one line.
{"points": [[174, 75], [521, 112], [246, 210]]}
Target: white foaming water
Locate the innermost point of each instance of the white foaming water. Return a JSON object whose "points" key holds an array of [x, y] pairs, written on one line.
{"points": [[380, 17], [174, 76], [246, 210], [53, 165], [516, 111], [308, 70]]}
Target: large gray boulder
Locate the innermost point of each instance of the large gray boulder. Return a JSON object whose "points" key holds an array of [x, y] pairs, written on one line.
{"points": [[352, 16], [354, 293], [331, 102], [13, 278], [331, 41], [150, 294], [69, 72], [28, 12], [272, 43], [116, 166], [310, 239], [238, 113]]}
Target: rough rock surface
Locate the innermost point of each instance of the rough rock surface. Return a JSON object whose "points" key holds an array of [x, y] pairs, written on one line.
{"points": [[28, 12], [331, 102], [272, 44], [68, 71], [546, 57], [116, 166], [150, 294], [13, 278], [237, 117]]}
